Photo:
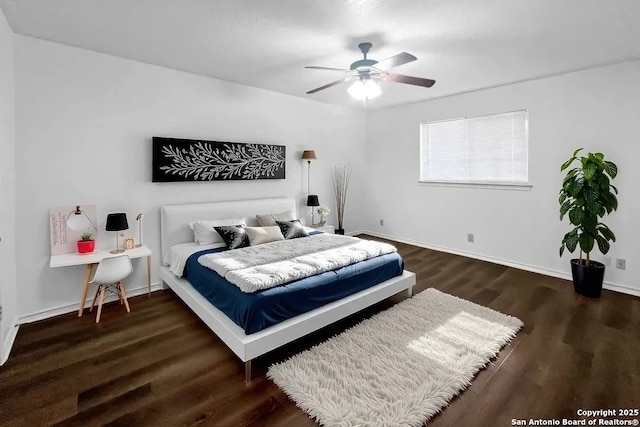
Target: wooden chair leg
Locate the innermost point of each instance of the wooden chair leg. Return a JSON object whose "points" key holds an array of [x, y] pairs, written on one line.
{"points": [[100, 301], [95, 297], [123, 293]]}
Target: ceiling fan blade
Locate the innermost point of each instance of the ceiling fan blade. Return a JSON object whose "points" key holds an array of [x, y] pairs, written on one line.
{"points": [[410, 80], [395, 60], [337, 82], [313, 67]]}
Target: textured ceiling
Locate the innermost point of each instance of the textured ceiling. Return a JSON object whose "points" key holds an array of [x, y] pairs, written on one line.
{"points": [[463, 44]]}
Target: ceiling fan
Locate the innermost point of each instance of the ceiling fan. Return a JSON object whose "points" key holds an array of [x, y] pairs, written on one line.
{"points": [[366, 73]]}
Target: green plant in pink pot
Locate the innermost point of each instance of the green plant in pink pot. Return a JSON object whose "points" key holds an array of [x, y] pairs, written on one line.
{"points": [[86, 244]]}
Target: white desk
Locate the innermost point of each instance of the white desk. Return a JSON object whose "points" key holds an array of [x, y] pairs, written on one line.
{"points": [[66, 260]]}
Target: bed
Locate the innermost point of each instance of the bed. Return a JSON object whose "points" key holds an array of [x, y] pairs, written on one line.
{"points": [[175, 231]]}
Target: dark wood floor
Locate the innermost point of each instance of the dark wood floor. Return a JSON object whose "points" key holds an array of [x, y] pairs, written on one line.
{"points": [[160, 366]]}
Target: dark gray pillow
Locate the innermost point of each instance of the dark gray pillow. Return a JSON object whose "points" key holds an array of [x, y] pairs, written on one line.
{"points": [[292, 229], [234, 236]]}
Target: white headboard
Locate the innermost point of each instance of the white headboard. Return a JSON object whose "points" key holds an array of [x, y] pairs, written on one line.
{"points": [[175, 219]]}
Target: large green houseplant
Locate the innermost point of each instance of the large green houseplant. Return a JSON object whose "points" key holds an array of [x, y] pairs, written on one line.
{"points": [[586, 196]]}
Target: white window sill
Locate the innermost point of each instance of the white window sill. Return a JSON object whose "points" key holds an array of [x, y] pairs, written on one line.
{"points": [[487, 185]]}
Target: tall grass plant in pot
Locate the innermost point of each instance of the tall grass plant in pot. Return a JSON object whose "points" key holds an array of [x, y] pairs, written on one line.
{"points": [[341, 176], [586, 196]]}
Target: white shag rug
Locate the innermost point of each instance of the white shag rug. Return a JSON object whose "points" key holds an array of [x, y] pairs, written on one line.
{"points": [[399, 367]]}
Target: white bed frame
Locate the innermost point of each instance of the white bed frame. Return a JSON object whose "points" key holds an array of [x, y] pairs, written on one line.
{"points": [[175, 230]]}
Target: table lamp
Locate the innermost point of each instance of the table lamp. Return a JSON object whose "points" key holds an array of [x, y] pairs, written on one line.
{"points": [[139, 219], [312, 201], [117, 222]]}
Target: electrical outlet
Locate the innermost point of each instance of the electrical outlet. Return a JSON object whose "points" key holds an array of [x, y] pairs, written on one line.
{"points": [[382, 222], [606, 261], [470, 237], [621, 264]]}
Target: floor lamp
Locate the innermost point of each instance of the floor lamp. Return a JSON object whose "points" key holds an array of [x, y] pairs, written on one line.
{"points": [[312, 199]]}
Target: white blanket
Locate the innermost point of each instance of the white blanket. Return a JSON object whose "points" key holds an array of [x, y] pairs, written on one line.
{"points": [[177, 255], [262, 267]]}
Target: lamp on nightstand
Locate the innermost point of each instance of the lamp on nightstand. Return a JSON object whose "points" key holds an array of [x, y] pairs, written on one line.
{"points": [[117, 222], [312, 201]]}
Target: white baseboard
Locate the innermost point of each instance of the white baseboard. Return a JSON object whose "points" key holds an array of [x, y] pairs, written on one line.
{"points": [[616, 287], [56, 311], [532, 268], [8, 341]]}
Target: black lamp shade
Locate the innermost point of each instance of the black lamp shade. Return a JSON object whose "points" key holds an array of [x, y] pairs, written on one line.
{"points": [[312, 200], [117, 222]]}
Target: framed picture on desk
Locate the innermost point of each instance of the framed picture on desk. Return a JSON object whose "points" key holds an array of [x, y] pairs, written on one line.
{"points": [[129, 243]]}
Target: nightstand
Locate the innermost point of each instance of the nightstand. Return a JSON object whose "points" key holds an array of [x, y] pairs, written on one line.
{"points": [[326, 228]]}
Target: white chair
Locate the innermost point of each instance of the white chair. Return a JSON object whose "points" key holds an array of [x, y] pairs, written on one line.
{"points": [[109, 275]]}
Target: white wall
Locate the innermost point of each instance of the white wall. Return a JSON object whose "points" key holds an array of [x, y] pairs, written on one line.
{"points": [[7, 191], [597, 109], [84, 123]]}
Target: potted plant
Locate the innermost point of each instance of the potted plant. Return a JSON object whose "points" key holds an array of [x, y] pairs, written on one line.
{"points": [[323, 211], [86, 244], [586, 196], [341, 177]]}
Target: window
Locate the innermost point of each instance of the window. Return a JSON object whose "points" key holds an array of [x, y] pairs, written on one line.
{"points": [[490, 150]]}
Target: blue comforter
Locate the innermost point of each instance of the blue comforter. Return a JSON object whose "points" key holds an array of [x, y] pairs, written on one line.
{"points": [[256, 311]]}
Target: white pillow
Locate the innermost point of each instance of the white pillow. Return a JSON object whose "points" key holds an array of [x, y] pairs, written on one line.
{"points": [[259, 235], [270, 219], [205, 234]]}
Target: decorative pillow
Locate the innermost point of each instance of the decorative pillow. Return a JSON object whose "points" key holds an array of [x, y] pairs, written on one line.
{"points": [[292, 229], [259, 235], [204, 232], [270, 219], [234, 236]]}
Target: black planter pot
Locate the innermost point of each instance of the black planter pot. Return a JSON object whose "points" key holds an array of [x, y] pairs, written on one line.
{"points": [[587, 281], [340, 231]]}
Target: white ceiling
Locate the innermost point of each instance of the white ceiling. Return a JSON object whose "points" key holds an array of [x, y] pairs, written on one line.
{"points": [[463, 44]]}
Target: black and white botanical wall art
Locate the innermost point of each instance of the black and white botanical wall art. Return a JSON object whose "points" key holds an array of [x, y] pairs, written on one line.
{"points": [[197, 160]]}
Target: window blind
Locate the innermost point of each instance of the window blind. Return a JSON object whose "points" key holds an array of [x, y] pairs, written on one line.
{"points": [[490, 149]]}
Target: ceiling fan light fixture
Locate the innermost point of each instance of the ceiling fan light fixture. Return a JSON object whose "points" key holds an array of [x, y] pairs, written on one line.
{"points": [[368, 72], [364, 89]]}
